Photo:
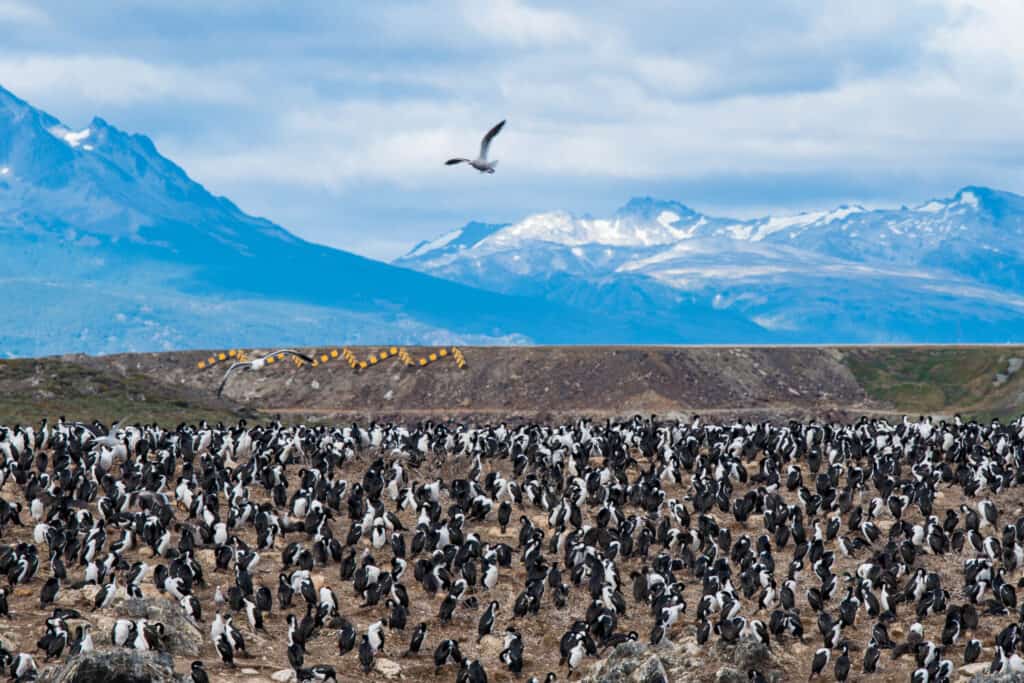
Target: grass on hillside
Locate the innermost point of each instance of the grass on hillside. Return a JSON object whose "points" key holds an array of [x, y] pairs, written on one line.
{"points": [[32, 389], [940, 380]]}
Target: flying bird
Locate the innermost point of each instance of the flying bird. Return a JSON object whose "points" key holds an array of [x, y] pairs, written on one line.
{"points": [[480, 163], [257, 363]]}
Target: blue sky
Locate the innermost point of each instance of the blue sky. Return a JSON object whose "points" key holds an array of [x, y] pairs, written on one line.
{"points": [[333, 119]]}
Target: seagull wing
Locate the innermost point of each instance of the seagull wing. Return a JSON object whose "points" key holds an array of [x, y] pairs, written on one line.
{"points": [[486, 142], [452, 162], [109, 441], [297, 354], [234, 366]]}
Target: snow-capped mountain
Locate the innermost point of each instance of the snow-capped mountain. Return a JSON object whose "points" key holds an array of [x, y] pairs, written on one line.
{"points": [[945, 271], [109, 246]]}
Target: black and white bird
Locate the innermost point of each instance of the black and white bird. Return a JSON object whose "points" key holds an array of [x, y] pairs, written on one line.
{"points": [[199, 673], [416, 642], [486, 623], [366, 654], [820, 661], [481, 163]]}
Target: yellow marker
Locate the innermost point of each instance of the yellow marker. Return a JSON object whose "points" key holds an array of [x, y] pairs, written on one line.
{"points": [[232, 353], [443, 353], [315, 363], [270, 360], [221, 356], [362, 364], [373, 360], [334, 353], [394, 350], [423, 361], [201, 365], [433, 357], [383, 355], [211, 360], [323, 358], [280, 356]]}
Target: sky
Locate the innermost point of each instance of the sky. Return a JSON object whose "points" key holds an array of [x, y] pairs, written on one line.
{"points": [[333, 119]]}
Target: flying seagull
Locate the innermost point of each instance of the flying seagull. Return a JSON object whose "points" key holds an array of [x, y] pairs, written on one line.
{"points": [[480, 163], [257, 363]]}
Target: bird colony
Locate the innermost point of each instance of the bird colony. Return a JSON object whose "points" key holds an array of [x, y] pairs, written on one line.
{"points": [[874, 550]]}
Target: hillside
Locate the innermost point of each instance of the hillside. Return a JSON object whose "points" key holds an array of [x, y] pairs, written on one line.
{"points": [[511, 383]]}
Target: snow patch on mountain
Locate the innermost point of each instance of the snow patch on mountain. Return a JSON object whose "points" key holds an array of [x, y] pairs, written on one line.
{"points": [[73, 138]]}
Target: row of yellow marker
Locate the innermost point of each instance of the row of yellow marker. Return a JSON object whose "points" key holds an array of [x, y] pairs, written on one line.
{"points": [[345, 354]]}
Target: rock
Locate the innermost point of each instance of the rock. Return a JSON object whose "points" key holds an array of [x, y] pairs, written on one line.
{"points": [[114, 665], [727, 674], [684, 661], [633, 648], [624, 660], [745, 654], [249, 672], [998, 678], [182, 635], [85, 596], [387, 668], [974, 669], [283, 676], [653, 670]]}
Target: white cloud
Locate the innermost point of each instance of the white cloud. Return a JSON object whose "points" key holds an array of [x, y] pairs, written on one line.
{"points": [[516, 22], [597, 95], [114, 80], [20, 13]]}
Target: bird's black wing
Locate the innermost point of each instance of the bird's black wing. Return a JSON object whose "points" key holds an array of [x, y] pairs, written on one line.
{"points": [[297, 354], [486, 142]]}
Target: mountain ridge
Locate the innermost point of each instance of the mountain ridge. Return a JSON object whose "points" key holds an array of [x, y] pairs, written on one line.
{"points": [[947, 270], [116, 248]]}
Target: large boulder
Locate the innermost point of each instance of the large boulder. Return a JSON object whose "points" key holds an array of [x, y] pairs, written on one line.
{"points": [[182, 635], [631, 662], [998, 678], [683, 661], [745, 654], [114, 666]]}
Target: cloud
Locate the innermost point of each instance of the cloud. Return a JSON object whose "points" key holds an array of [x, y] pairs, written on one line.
{"points": [[23, 14], [344, 110], [115, 80], [511, 21]]}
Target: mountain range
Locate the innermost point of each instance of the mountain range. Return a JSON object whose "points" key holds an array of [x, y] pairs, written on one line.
{"points": [[109, 246], [949, 270]]}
